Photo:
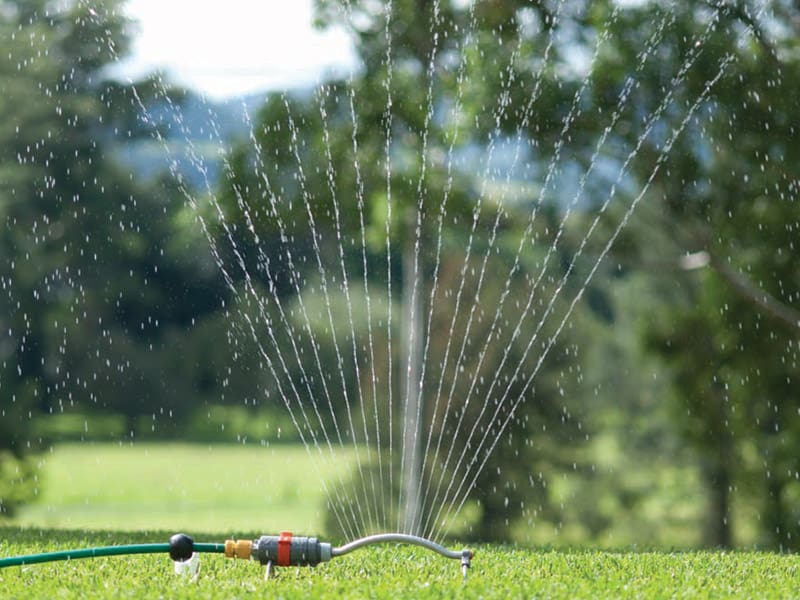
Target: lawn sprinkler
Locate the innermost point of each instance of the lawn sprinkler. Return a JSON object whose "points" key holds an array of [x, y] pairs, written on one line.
{"points": [[284, 550]]}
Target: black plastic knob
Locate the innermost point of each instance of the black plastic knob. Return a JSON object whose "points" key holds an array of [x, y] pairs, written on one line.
{"points": [[181, 547]]}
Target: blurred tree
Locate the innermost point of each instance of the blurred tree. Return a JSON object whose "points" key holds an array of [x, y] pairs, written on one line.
{"points": [[98, 273], [46, 165], [727, 192]]}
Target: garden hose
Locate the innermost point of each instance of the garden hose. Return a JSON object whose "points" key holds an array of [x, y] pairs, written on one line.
{"points": [[31, 559], [282, 550]]}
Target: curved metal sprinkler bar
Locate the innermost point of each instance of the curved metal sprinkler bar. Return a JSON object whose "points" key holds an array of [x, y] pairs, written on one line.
{"points": [[401, 538], [404, 538]]}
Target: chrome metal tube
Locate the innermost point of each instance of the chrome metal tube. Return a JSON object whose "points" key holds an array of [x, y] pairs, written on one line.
{"points": [[402, 538]]}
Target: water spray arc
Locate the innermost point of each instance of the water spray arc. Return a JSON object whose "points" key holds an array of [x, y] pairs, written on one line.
{"points": [[435, 481], [284, 550]]}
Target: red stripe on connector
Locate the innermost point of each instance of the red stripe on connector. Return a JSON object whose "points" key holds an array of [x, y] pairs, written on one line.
{"points": [[285, 549]]}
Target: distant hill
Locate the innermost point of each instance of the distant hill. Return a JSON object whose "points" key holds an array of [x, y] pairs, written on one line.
{"points": [[197, 133]]}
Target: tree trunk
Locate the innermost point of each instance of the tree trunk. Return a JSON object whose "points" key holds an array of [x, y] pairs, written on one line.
{"points": [[718, 526], [130, 425], [717, 470], [775, 516]]}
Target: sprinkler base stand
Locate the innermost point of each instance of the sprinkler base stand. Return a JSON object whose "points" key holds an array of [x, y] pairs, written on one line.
{"points": [[189, 567]]}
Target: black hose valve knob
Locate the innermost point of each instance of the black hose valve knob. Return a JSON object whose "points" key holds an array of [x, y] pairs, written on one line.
{"points": [[181, 547]]}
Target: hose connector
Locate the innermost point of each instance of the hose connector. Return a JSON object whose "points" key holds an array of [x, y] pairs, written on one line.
{"points": [[238, 549], [286, 550]]}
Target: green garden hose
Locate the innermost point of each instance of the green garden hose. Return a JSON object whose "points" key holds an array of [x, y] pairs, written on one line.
{"points": [[30, 559]]}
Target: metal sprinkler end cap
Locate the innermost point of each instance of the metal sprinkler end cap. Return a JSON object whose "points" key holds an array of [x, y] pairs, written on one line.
{"points": [[466, 559]]}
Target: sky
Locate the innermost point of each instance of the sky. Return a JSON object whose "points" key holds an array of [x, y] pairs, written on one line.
{"points": [[230, 48]]}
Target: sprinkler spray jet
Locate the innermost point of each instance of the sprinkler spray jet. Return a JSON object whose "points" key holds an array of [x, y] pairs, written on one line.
{"points": [[284, 550]]}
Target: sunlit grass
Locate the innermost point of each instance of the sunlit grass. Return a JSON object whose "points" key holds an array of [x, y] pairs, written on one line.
{"points": [[235, 489], [216, 488]]}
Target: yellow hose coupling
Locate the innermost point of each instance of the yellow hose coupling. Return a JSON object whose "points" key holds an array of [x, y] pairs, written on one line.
{"points": [[238, 548]]}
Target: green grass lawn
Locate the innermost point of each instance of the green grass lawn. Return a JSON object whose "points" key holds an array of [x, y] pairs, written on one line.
{"points": [[393, 572], [105, 494], [225, 489]]}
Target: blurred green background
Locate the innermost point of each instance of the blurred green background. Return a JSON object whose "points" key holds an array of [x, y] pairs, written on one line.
{"points": [[140, 384]]}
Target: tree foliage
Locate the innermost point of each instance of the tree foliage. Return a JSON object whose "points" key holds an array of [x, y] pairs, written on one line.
{"points": [[95, 284]]}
